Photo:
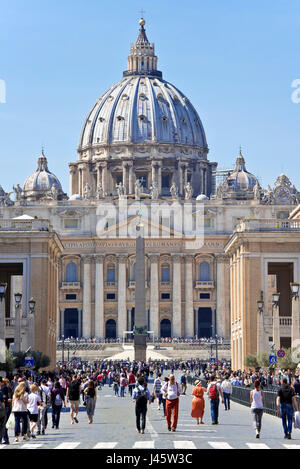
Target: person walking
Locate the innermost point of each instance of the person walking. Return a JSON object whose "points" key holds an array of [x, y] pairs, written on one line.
{"points": [[90, 399], [2, 416], [7, 397], [34, 401], [57, 401], [141, 397], [19, 409], [227, 391], [172, 391], [131, 382], [214, 391], [73, 396], [286, 401], [183, 384], [123, 384], [163, 399], [198, 403], [43, 414], [157, 390], [257, 406]]}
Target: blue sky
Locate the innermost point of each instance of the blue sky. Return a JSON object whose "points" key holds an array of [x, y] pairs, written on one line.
{"points": [[235, 60]]}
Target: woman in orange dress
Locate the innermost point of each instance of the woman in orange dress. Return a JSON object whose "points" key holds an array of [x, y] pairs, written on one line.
{"points": [[198, 403]]}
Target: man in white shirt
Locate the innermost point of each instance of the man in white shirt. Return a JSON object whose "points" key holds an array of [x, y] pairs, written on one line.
{"points": [[171, 392]]}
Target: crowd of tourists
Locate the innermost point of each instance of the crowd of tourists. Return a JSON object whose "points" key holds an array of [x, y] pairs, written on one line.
{"points": [[164, 340], [27, 401]]}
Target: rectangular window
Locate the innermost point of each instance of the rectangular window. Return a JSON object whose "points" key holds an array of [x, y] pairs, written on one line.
{"points": [[71, 223], [110, 296], [165, 296], [204, 296], [165, 181], [165, 274], [71, 297], [111, 275]]}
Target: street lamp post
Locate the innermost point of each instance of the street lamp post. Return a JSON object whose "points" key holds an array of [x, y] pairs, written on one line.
{"points": [[63, 348], [31, 304], [17, 341], [3, 287], [276, 325], [295, 335], [260, 326]]}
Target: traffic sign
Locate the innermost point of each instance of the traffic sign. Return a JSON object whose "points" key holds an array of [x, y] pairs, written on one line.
{"points": [[212, 360], [272, 359], [29, 362], [281, 353]]}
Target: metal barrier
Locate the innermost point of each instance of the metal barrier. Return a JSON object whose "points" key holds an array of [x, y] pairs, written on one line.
{"points": [[241, 395]]}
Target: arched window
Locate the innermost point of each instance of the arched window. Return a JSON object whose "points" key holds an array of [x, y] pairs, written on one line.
{"points": [[204, 272], [165, 328], [111, 329], [71, 272], [165, 273]]}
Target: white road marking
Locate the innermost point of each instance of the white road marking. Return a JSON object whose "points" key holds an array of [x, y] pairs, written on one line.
{"points": [[32, 446], [152, 432], [257, 446], [219, 445], [292, 446], [143, 445], [67, 445], [184, 445], [106, 445]]}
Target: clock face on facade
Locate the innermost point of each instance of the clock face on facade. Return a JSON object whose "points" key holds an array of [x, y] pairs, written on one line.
{"points": [[282, 193]]}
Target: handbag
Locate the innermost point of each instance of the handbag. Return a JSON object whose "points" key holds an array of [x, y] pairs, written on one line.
{"points": [[10, 424]]}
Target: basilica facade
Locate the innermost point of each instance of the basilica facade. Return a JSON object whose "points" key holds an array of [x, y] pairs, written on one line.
{"points": [[143, 155]]}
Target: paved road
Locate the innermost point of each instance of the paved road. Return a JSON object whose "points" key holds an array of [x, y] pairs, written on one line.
{"points": [[114, 428]]}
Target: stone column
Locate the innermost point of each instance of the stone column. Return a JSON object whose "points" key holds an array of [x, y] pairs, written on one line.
{"points": [[130, 188], [87, 298], [122, 309], [159, 178], [104, 178], [222, 310], [154, 295], [153, 166], [125, 177], [189, 303], [73, 180], [276, 327], [99, 296], [177, 329]]}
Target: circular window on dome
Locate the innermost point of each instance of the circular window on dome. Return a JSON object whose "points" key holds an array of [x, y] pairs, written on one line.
{"points": [[110, 98], [120, 118], [101, 119], [143, 97], [125, 97], [142, 117], [164, 118]]}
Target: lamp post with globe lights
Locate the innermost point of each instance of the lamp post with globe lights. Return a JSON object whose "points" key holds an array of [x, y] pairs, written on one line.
{"points": [[31, 337], [3, 287], [17, 341], [276, 325]]}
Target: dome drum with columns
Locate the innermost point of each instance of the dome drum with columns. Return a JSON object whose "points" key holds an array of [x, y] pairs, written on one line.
{"points": [[142, 127]]}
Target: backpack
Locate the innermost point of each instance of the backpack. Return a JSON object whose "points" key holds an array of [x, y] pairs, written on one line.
{"points": [[58, 400], [213, 391], [141, 399]]}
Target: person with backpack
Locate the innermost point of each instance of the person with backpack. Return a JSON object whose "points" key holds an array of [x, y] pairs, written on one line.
{"points": [[214, 391], [141, 397], [43, 413], [172, 391], [286, 401], [57, 401]]}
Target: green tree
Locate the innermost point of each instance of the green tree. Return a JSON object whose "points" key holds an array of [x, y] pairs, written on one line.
{"points": [[9, 364], [251, 361]]}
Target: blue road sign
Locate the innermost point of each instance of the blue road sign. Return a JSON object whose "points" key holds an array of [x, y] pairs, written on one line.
{"points": [[29, 362], [212, 360], [272, 359]]}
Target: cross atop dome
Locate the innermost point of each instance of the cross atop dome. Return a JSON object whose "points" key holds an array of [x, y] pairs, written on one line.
{"points": [[142, 59]]}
